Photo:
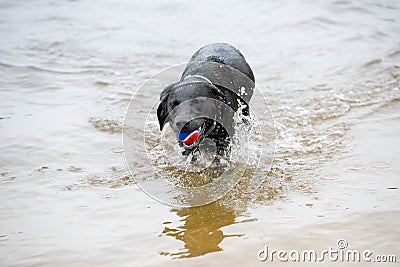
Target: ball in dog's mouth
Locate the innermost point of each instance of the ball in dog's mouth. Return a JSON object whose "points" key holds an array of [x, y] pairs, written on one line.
{"points": [[191, 139]]}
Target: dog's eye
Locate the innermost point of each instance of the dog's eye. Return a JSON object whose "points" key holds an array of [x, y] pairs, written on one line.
{"points": [[175, 103]]}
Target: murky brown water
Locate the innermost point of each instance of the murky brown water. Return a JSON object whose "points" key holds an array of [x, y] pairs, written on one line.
{"points": [[330, 71]]}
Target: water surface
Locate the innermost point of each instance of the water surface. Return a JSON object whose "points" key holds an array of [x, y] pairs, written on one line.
{"points": [[330, 72]]}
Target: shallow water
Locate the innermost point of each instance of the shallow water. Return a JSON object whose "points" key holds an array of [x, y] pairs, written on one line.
{"points": [[329, 70]]}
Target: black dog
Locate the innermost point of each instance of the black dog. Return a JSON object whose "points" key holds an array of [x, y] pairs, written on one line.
{"points": [[216, 82]]}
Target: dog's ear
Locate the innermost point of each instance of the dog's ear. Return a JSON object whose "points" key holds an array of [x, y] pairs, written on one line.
{"points": [[167, 90], [162, 111], [218, 93]]}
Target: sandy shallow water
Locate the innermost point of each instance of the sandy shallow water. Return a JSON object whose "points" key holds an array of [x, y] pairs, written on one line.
{"points": [[329, 70]]}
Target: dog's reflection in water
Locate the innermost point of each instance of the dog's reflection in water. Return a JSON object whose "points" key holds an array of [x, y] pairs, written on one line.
{"points": [[201, 229]]}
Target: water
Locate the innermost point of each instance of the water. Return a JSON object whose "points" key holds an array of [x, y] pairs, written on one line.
{"points": [[329, 70]]}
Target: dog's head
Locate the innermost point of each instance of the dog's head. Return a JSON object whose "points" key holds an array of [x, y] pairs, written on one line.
{"points": [[190, 111]]}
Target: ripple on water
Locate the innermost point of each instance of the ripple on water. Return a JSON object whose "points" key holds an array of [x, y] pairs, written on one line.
{"points": [[106, 125], [310, 129]]}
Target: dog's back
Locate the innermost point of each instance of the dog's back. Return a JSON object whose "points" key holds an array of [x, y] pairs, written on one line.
{"points": [[225, 67], [221, 53]]}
